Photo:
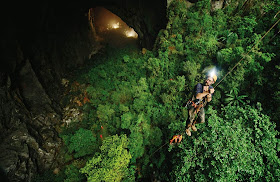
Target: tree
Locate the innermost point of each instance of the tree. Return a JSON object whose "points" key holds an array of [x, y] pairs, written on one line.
{"points": [[237, 144], [234, 99], [111, 164], [81, 143], [141, 95]]}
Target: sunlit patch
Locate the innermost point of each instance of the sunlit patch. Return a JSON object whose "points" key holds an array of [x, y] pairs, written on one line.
{"points": [[131, 33], [115, 25], [111, 29]]}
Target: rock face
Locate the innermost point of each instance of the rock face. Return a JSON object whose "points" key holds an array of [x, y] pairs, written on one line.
{"points": [[29, 142], [41, 44], [217, 4], [28, 139]]}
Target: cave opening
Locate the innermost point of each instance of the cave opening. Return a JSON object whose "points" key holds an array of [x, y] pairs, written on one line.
{"points": [[43, 50], [110, 29]]}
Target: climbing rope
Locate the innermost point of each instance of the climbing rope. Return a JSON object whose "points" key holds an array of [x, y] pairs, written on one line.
{"points": [[232, 70], [181, 133], [247, 53], [276, 14]]}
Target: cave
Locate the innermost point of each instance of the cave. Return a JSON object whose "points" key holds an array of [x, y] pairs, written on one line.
{"points": [[112, 30], [41, 43], [130, 67]]}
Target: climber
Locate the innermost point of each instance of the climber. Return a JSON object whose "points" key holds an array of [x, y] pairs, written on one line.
{"points": [[203, 94]]}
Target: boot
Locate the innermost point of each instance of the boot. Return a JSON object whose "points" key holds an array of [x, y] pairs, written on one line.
{"points": [[188, 132], [194, 128]]}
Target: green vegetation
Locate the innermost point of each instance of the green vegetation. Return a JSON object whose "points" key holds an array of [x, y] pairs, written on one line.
{"points": [[112, 163], [233, 98], [136, 102], [81, 143], [237, 144]]}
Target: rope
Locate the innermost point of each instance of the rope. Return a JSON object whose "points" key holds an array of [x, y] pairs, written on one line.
{"points": [[276, 14], [158, 149], [231, 70], [247, 53], [182, 133]]}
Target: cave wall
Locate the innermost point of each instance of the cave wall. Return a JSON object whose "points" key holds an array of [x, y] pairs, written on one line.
{"points": [[41, 43], [146, 17]]}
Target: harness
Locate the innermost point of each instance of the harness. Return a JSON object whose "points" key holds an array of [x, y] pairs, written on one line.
{"points": [[195, 103], [191, 103]]}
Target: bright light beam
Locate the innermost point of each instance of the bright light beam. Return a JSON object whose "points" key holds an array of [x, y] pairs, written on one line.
{"points": [[212, 72], [115, 25], [131, 33]]}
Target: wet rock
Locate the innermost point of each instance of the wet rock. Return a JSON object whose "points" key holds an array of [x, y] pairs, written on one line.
{"points": [[32, 91], [28, 144], [71, 115], [64, 82], [37, 52], [215, 5]]}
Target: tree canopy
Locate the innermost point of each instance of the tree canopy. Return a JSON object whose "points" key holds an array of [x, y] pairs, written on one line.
{"points": [[138, 97]]}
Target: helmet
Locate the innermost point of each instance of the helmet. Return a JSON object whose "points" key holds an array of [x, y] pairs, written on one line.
{"points": [[214, 77]]}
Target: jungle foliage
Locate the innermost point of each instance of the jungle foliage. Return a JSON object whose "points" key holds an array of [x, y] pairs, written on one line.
{"points": [[137, 101]]}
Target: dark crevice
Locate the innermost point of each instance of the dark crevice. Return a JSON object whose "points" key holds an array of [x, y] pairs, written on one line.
{"points": [[56, 39]]}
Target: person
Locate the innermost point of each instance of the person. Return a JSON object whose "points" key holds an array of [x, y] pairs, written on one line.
{"points": [[203, 94]]}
